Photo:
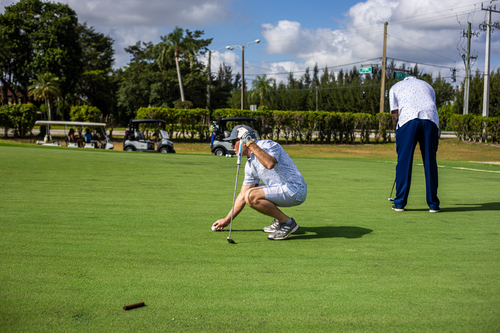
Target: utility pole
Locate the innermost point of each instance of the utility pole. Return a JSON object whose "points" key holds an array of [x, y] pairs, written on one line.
{"points": [[316, 98], [487, 26], [242, 77], [209, 78], [467, 34], [384, 61], [467, 77]]}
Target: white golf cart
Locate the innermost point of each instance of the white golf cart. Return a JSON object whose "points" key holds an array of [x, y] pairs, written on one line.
{"points": [[102, 140], [136, 141], [222, 129]]}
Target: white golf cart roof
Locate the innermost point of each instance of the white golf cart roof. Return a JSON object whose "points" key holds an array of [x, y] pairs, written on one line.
{"points": [[66, 124], [69, 123]]}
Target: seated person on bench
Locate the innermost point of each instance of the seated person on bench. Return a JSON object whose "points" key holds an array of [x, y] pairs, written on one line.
{"points": [[73, 138], [88, 136]]}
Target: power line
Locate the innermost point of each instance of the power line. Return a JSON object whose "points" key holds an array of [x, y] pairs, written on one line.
{"points": [[421, 48], [422, 63], [328, 88], [321, 69]]}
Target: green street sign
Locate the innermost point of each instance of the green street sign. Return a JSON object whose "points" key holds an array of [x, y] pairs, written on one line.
{"points": [[366, 70], [400, 75]]}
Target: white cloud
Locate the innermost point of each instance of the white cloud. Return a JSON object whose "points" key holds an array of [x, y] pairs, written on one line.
{"points": [[288, 37], [117, 13], [373, 12], [222, 57], [424, 31], [419, 31]]}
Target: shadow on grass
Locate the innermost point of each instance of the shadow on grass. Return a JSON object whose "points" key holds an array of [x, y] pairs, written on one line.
{"points": [[323, 232], [330, 232], [464, 208]]}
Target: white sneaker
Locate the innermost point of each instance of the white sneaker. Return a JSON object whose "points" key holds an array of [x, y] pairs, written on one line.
{"points": [[273, 227], [285, 229]]}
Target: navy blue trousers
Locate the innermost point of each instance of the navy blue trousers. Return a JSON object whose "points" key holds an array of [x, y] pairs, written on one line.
{"points": [[425, 132]]}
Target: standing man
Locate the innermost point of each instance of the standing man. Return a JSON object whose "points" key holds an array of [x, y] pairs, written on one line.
{"points": [[271, 180], [415, 119]]}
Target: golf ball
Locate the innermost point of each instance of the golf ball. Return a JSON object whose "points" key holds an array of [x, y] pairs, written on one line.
{"points": [[214, 229]]}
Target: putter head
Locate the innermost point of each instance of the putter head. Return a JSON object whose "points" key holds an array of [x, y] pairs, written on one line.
{"points": [[390, 199], [230, 240]]}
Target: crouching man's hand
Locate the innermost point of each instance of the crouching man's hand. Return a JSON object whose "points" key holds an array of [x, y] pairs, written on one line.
{"points": [[220, 224], [245, 136]]}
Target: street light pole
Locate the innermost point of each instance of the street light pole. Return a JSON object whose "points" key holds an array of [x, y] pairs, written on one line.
{"points": [[242, 68]]}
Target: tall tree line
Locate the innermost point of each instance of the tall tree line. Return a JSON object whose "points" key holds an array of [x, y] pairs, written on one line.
{"points": [[345, 91], [48, 57]]}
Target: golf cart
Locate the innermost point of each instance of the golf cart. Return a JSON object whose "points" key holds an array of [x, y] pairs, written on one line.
{"points": [[102, 140], [135, 140], [222, 129]]}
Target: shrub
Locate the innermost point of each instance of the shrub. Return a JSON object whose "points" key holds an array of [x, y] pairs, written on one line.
{"points": [[384, 126], [445, 114], [20, 117], [85, 113], [493, 129], [363, 122]]}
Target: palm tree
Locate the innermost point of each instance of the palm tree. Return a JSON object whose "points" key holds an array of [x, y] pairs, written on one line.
{"points": [[45, 87], [180, 46], [261, 86]]}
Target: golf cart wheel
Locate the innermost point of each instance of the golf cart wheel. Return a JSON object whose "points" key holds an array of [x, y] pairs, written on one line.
{"points": [[220, 151], [165, 150], [129, 148]]}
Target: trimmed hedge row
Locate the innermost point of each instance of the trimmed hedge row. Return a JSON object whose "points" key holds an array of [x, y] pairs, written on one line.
{"points": [[476, 128], [292, 126]]}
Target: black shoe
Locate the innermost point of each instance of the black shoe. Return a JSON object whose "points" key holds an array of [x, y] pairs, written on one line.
{"points": [[398, 209]]}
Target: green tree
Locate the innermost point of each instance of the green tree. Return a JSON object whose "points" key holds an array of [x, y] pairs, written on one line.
{"points": [[96, 85], [85, 113], [45, 87], [261, 87], [143, 84], [306, 79], [315, 81], [222, 87], [43, 38], [138, 80], [20, 117], [5, 55], [444, 91], [182, 46]]}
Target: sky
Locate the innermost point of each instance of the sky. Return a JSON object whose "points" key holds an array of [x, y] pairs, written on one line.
{"points": [[295, 35]]}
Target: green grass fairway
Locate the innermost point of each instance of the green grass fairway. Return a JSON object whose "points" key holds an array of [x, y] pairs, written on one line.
{"points": [[84, 233]]}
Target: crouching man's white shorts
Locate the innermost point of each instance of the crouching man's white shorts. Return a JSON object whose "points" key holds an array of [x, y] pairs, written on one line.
{"points": [[281, 197]]}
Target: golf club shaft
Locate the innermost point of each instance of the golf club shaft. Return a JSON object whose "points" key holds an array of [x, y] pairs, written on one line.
{"points": [[392, 187], [236, 186]]}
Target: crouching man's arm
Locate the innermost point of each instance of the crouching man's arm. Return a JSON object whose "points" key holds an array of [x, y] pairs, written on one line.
{"points": [[268, 161], [249, 139], [239, 204]]}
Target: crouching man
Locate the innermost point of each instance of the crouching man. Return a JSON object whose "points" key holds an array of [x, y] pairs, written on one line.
{"points": [[272, 180]]}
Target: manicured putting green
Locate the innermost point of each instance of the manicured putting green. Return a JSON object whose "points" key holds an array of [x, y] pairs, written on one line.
{"points": [[84, 233]]}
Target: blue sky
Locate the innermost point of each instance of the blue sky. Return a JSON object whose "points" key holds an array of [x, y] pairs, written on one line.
{"points": [[298, 34]]}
